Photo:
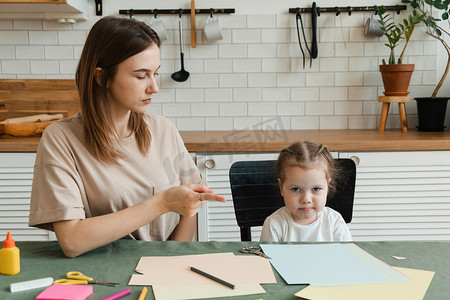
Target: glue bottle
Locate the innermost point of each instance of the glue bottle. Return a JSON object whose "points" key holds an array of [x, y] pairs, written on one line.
{"points": [[9, 257]]}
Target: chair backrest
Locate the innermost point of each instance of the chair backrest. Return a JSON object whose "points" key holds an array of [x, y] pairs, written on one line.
{"points": [[256, 195]]}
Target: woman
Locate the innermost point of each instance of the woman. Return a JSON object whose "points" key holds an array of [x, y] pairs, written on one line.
{"points": [[111, 171]]}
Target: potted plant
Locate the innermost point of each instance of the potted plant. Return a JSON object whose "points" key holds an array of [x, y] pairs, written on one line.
{"points": [[431, 110], [396, 75]]}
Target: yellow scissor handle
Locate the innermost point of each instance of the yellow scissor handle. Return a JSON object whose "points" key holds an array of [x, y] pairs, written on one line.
{"points": [[78, 275], [70, 281]]}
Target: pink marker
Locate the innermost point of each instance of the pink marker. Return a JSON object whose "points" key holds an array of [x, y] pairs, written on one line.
{"points": [[118, 295]]}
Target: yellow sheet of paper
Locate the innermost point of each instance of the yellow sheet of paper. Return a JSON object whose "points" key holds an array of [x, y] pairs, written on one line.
{"points": [[410, 290], [172, 270], [168, 292]]}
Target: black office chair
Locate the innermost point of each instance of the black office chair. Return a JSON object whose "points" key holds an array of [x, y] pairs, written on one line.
{"points": [[256, 195]]}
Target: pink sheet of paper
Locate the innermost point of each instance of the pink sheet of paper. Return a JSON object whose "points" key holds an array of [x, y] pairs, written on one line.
{"points": [[172, 270], [66, 292]]}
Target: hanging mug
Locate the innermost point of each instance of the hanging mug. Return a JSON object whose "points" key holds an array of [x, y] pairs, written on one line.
{"points": [[212, 29], [373, 27], [158, 26]]}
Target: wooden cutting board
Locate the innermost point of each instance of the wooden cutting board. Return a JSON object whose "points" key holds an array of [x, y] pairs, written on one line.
{"points": [[25, 129]]}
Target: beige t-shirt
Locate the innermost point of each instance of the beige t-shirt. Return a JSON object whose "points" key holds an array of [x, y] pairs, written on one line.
{"points": [[71, 184]]}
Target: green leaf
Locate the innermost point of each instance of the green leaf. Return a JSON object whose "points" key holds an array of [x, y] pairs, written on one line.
{"points": [[444, 16]]}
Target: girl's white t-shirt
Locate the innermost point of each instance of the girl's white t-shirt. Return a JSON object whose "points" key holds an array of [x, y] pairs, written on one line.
{"points": [[329, 227]]}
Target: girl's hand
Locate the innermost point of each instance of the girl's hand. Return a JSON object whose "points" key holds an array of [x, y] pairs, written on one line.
{"points": [[187, 199]]}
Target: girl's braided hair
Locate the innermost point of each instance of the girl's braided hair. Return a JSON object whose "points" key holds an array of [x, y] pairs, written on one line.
{"points": [[308, 155]]}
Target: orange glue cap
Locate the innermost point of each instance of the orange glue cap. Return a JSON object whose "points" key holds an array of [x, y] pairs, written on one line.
{"points": [[9, 242]]}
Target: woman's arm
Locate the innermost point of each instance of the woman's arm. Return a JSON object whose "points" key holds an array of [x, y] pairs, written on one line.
{"points": [[79, 236]]}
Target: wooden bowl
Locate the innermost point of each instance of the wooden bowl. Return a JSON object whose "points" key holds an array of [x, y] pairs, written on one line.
{"points": [[24, 129]]}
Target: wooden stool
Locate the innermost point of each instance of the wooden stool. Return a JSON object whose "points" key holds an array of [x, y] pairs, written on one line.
{"points": [[387, 100]]}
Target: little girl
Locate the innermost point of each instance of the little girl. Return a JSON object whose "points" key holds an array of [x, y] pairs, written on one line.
{"points": [[306, 175]]}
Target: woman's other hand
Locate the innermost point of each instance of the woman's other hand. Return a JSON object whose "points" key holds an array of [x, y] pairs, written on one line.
{"points": [[187, 199]]}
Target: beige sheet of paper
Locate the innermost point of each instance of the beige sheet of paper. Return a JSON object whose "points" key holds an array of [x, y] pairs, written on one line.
{"points": [[172, 270], [410, 290], [167, 292]]}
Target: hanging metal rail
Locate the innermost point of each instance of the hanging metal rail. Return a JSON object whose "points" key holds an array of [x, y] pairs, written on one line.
{"points": [[178, 11], [346, 9]]}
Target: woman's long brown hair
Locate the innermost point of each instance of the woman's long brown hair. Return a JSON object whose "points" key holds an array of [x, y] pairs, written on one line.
{"points": [[110, 41]]}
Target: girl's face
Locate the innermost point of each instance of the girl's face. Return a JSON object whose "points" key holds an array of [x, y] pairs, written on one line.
{"points": [[305, 192], [135, 82]]}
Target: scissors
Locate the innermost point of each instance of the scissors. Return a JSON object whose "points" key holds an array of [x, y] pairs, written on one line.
{"points": [[75, 277], [255, 250]]}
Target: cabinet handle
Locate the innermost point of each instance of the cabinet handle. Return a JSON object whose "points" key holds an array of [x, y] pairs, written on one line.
{"points": [[210, 164], [355, 159]]}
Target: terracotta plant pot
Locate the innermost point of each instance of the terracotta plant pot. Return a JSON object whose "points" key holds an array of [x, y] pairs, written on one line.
{"points": [[396, 79]]}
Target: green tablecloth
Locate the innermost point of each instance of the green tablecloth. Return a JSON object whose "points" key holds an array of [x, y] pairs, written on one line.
{"points": [[116, 262]]}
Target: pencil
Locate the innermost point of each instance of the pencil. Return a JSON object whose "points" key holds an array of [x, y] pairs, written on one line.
{"points": [[231, 286], [143, 293]]}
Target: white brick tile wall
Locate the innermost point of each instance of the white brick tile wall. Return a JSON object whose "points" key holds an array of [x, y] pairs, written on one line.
{"points": [[262, 109], [27, 24], [342, 108], [190, 124], [232, 51], [305, 123], [71, 37], [247, 94], [218, 95], [58, 52], [176, 109], [247, 65], [13, 37], [261, 21], [16, 67], [262, 80], [333, 122], [204, 109], [276, 35], [276, 94], [254, 77], [29, 52], [219, 123], [334, 93], [43, 37], [44, 67], [262, 50], [6, 24], [305, 94], [189, 95], [233, 80], [204, 80], [290, 109], [276, 65], [246, 123], [7, 52], [232, 109], [319, 108], [349, 78], [218, 65], [338, 64], [246, 36], [68, 67]]}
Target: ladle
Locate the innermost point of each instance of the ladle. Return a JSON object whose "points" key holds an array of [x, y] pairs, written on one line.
{"points": [[181, 75]]}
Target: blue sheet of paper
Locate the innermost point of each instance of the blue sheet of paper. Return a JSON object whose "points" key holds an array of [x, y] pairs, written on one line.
{"points": [[329, 265]]}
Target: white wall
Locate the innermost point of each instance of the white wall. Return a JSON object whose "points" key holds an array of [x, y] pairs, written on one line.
{"points": [[254, 76]]}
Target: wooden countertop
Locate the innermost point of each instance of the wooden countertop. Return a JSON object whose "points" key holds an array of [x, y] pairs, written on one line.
{"points": [[274, 141]]}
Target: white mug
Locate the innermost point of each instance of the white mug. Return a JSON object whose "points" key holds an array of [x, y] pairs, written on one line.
{"points": [[158, 26], [212, 30], [373, 27]]}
